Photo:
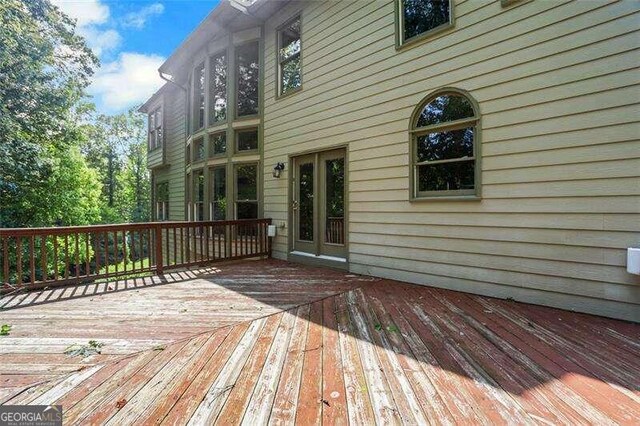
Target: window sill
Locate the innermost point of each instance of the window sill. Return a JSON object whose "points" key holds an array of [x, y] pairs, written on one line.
{"points": [[247, 152], [289, 93], [419, 39], [154, 149], [445, 198]]}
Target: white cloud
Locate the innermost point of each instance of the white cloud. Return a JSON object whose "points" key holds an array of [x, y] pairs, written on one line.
{"points": [[86, 12], [90, 15], [138, 19], [100, 41], [127, 81]]}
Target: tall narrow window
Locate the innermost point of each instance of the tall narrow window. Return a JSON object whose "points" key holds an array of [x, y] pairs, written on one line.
{"points": [[198, 98], [247, 78], [187, 154], [198, 195], [217, 144], [218, 89], [289, 50], [155, 129], [247, 191], [418, 18], [162, 201], [444, 146], [218, 193]]}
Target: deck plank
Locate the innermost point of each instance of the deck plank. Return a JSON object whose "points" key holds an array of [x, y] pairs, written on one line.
{"points": [[286, 399], [310, 404]]}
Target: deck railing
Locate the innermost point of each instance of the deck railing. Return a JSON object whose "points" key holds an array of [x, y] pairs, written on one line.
{"points": [[41, 257]]}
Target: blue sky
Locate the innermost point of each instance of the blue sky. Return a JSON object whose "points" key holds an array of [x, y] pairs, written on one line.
{"points": [[132, 39]]}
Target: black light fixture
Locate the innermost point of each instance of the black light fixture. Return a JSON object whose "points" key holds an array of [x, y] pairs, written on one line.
{"points": [[278, 169]]}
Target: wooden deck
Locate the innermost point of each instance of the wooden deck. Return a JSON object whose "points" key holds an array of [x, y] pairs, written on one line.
{"points": [[269, 342]]}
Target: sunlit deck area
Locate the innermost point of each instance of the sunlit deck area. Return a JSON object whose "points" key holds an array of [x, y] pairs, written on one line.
{"points": [[267, 341]]}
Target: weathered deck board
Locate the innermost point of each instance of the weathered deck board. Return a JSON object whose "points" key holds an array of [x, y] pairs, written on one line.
{"points": [[352, 351]]}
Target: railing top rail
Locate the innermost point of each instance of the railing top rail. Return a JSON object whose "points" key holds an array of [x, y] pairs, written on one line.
{"points": [[62, 230]]}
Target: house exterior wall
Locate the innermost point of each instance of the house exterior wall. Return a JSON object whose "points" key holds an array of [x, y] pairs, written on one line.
{"points": [[557, 87], [173, 169]]}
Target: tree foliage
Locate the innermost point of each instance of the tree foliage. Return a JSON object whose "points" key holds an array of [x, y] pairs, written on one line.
{"points": [[44, 69]]}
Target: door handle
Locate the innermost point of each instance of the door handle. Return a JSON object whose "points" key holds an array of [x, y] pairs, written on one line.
{"points": [[294, 206]]}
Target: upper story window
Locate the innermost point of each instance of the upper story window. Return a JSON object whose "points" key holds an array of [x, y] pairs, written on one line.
{"points": [[247, 79], [419, 18], [445, 146], [218, 89], [289, 51], [198, 97], [155, 128], [162, 201]]}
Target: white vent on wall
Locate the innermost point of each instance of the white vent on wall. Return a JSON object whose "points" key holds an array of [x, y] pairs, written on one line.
{"points": [[633, 260]]}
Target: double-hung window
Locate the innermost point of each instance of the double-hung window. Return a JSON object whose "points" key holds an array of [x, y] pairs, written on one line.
{"points": [[289, 52], [246, 191], [162, 201], [218, 193], [155, 129], [445, 151]]}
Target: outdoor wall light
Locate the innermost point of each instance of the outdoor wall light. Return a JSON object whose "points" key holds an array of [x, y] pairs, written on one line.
{"points": [[278, 169]]}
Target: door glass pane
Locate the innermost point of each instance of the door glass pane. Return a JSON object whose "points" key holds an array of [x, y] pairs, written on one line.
{"points": [[334, 227], [305, 231]]}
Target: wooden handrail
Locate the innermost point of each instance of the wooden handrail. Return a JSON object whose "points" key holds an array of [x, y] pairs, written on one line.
{"points": [[41, 257]]}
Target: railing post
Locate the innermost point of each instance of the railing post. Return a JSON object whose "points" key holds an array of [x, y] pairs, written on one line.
{"points": [[269, 239], [158, 251]]}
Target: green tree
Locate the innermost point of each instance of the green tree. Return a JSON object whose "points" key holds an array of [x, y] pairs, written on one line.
{"points": [[44, 69]]}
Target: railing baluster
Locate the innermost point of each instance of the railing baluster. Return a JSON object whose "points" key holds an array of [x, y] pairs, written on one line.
{"points": [[43, 255], [32, 260], [55, 257], [19, 258], [77, 237], [87, 255], [5, 258], [124, 249], [67, 266]]}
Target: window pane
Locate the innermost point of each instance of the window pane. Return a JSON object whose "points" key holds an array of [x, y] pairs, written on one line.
{"points": [[423, 15], [218, 143], [335, 201], [445, 145], [159, 117], [219, 193], [446, 177], [247, 140], [247, 182], [218, 89], [247, 210], [198, 186], [290, 74], [158, 141], [199, 97], [445, 108], [162, 192], [305, 231], [290, 40], [198, 153], [248, 74]]}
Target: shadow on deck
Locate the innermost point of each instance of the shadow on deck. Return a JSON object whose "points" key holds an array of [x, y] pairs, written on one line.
{"points": [[262, 341]]}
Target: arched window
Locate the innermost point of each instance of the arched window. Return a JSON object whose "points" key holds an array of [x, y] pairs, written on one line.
{"points": [[445, 146]]}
